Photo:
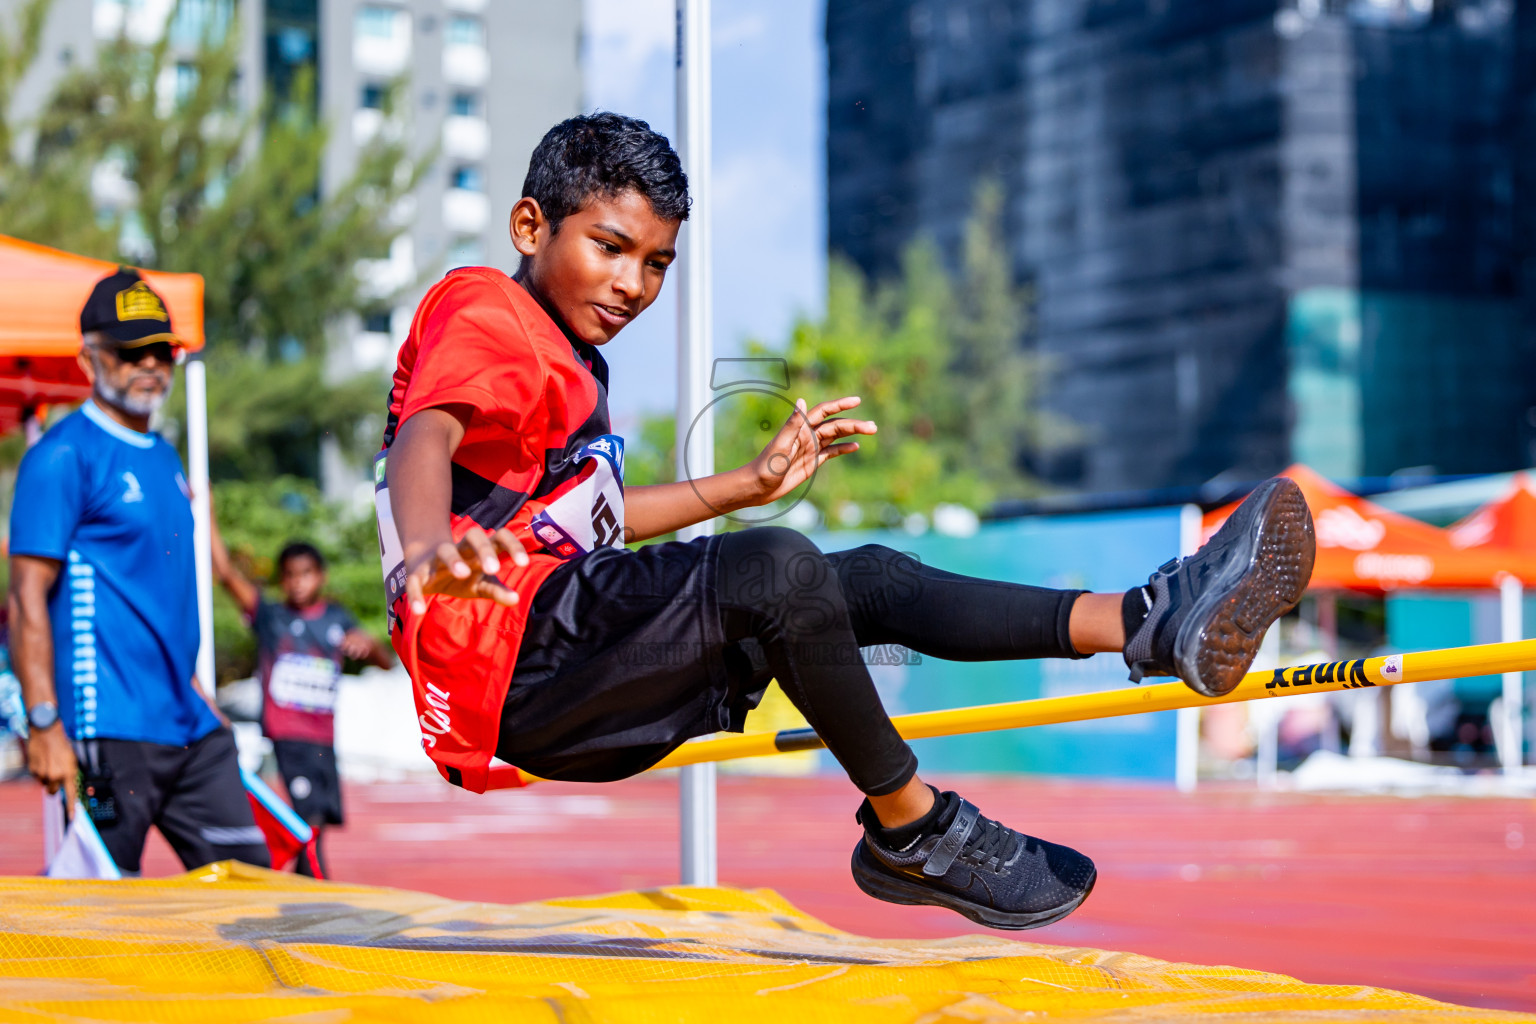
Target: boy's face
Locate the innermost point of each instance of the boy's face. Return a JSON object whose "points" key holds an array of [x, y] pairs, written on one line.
{"points": [[302, 580], [603, 267]]}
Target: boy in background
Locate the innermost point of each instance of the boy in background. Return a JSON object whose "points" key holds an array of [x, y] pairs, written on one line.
{"points": [[301, 644]]}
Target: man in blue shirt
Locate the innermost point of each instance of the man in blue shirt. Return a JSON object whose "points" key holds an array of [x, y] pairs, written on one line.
{"points": [[104, 606]]}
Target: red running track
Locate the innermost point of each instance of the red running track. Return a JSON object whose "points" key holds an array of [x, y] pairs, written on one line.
{"points": [[1432, 895]]}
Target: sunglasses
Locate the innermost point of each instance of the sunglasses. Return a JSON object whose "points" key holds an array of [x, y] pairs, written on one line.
{"points": [[160, 351]]}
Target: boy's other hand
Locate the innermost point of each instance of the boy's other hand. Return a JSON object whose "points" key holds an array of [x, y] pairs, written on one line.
{"points": [[450, 569], [357, 645], [806, 440]]}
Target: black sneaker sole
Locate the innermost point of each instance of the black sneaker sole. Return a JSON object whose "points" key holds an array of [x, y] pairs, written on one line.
{"points": [[1276, 546], [877, 881]]}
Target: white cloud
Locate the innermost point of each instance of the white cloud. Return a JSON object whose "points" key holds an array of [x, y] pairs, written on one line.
{"points": [[768, 205], [738, 30], [627, 59], [623, 36], [760, 186], [767, 235]]}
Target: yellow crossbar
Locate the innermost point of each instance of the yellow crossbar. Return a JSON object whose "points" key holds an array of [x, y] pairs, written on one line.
{"points": [[1417, 667]]}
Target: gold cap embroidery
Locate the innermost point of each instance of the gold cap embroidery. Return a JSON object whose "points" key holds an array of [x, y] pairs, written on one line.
{"points": [[140, 303]]}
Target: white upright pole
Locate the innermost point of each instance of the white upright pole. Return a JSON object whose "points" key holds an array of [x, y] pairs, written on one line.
{"points": [[695, 353], [1512, 627], [202, 512], [1186, 758]]}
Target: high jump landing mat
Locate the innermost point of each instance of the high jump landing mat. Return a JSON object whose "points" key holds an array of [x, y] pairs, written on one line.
{"points": [[232, 943]]}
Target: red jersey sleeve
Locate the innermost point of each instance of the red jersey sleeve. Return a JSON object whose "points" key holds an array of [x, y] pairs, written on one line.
{"points": [[474, 350]]}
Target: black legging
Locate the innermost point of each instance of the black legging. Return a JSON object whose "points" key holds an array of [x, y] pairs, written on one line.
{"points": [[811, 612]]}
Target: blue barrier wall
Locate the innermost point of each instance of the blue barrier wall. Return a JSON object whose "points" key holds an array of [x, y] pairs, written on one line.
{"points": [[1105, 552], [1419, 621]]}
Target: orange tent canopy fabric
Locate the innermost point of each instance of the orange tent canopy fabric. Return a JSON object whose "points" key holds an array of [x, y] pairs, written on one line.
{"points": [[1506, 525], [41, 291], [1362, 546]]}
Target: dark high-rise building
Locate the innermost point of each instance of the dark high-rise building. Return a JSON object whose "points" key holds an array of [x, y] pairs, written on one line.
{"points": [[1256, 230], [1524, 117], [920, 90]]}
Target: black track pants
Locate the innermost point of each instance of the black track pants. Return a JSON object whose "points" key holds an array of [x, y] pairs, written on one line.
{"points": [[192, 794]]}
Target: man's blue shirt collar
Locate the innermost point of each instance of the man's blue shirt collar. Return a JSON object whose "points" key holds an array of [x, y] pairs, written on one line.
{"points": [[98, 416]]}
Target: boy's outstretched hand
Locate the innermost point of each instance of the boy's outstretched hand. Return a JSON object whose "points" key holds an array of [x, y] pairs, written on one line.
{"points": [[806, 440], [450, 568]]}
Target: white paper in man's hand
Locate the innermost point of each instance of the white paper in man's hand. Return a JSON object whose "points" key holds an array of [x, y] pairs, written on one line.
{"points": [[72, 848]]}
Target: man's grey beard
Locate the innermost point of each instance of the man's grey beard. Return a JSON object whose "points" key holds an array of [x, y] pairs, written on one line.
{"points": [[119, 399]]}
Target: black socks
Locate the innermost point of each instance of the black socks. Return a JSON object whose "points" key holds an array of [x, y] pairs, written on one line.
{"points": [[1134, 608], [936, 820]]}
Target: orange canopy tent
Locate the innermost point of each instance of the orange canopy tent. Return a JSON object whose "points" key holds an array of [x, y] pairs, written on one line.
{"points": [[1506, 526], [41, 291], [1362, 546]]}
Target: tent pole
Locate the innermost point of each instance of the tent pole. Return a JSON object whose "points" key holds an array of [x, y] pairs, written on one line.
{"points": [[1512, 627], [1266, 717], [202, 512], [695, 352], [1328, 622]]}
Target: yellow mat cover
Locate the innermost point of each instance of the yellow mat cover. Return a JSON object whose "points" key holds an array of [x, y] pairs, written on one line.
{"points": [[231, 943]]}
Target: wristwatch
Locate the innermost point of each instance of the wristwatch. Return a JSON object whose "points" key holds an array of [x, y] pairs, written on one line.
{"points": [[42, 714]]}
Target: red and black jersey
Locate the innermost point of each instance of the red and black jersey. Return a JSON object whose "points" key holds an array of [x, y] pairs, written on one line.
{"points": [[480, 340], [540, 407], [299, 661]]}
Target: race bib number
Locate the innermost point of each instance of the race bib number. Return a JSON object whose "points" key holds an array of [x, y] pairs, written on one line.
{"points": [[391, 553], [591, 514], [304, 682]]}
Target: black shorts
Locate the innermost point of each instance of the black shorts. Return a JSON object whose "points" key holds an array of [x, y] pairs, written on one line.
{"points": [[192, 794], [314, 786], [623, 659]]}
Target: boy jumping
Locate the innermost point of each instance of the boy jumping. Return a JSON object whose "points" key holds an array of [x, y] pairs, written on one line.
{"points": [[532, 634]]}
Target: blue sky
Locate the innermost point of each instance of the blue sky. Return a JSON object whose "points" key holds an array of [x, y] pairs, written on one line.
{"points": [[770, 212]]}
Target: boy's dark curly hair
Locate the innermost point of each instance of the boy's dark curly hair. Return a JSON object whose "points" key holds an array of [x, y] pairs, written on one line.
{"points": [[604, 154], [299, 549]]}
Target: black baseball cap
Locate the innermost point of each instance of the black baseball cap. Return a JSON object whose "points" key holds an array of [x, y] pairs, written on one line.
{"points": [[128, 311]]}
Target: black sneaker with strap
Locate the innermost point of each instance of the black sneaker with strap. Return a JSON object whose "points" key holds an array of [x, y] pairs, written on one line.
{"points": [[1205, 615], [975, 866]]}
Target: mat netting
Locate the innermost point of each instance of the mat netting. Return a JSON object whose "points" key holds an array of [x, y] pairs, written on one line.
{"points": [[231, 943]]}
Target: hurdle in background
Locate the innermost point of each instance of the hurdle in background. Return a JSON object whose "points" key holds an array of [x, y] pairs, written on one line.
{"points": [[1417, 667]]}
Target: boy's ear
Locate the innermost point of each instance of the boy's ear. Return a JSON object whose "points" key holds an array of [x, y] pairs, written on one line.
{"points": [[528, 227]]}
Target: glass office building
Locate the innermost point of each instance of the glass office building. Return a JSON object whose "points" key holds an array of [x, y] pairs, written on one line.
{"points": [[1256, 231]]}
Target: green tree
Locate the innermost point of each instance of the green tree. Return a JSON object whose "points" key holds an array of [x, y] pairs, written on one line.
{"points": [[937, 358], [45, 186], [233, 195], [268, 419], [996, 382]]}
